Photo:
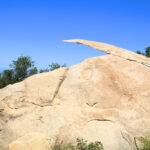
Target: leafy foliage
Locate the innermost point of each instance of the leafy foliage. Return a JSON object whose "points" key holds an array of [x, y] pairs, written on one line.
{"points": [[44, 70], [33, 71], [145, 143], [81, 145], [146, 53], [139, 52], [7, 77], [54, 66], [22, 68]]}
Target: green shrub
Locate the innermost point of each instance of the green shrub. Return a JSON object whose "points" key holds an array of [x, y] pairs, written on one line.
{"points": [[145, 143], [80, 145]]}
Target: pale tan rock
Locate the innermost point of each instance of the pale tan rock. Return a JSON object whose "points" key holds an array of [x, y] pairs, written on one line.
{"points": [[32, 141], [105, 98], [113, 50], [38, 89]]}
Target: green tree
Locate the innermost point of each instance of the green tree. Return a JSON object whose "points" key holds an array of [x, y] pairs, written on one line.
{"points": [[147, 51], [54, 66], [44, 70], [2, 84], [139, 52], [33, 71], [22, 67], [7, 77]]}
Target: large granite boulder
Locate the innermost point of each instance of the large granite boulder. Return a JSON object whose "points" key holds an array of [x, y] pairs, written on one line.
{"points": [[105, 98]]}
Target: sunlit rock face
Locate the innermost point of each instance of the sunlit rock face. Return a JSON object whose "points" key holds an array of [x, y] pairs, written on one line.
{"points": [[105, 99]]}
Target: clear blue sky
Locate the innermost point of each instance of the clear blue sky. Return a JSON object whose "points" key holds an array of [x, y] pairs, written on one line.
{"points": [[36, 28]]}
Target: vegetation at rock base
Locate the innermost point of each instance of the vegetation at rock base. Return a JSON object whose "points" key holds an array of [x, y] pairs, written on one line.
{"points": [[80, 145], [145, 143], [22, 68]]}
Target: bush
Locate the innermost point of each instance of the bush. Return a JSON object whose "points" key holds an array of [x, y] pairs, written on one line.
{"points": [[145, 143], [54, 66], [146, 53], [80, 145]]}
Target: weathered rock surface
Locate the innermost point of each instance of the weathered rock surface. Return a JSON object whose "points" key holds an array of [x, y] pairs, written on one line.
{"points": [[32, 141], [105, 98]]}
